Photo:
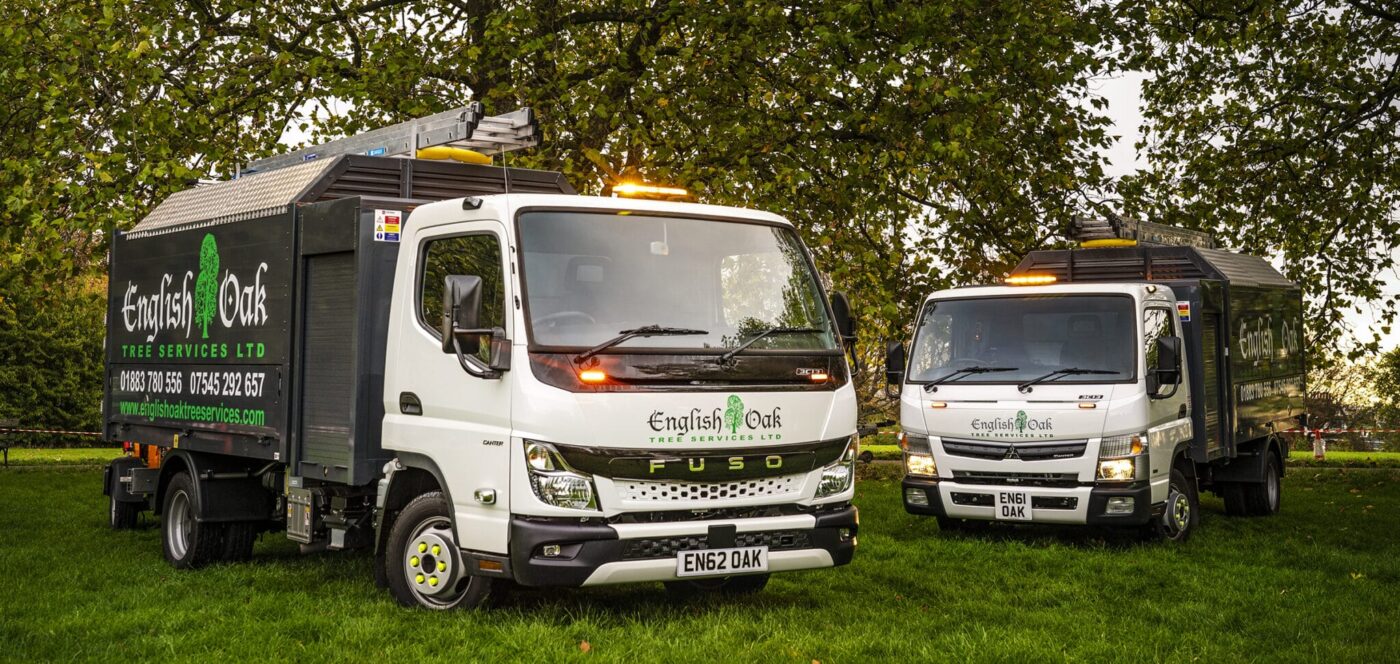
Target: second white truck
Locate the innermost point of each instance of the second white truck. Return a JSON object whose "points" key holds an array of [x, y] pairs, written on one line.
{"points": [[1104, 386]]}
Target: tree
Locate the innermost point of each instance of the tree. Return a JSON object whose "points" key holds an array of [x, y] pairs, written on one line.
{"points": [[1274, 125], [734, 413], [1385, 384]]}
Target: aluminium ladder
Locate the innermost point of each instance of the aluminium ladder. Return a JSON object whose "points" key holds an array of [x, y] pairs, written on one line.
{"points": [[467, 127]]}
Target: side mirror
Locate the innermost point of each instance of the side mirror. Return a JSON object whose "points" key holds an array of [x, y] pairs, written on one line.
{"points": [[1166, 370], [461, 320], [894, 367], [846, 327], [841, 309]]}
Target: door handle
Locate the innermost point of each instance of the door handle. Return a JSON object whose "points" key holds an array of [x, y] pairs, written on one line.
{"points": [[409, 404], [1181, 412]]}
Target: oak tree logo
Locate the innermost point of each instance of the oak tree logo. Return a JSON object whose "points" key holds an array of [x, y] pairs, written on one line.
{"points": [[734, 414], [206, 287], [1021, 421]]}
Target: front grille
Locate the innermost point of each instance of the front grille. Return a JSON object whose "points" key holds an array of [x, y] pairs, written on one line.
{"points": [[1017, 479], [979, 499], [678, 492], [976, 449], [667, 547]]}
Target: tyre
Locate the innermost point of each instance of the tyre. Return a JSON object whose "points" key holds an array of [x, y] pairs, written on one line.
{"points": [[424, 566], [188, 543], [123, 515], [1233, 495], [1183, 510], [239, 537], [733, 586], [1263, 498]]}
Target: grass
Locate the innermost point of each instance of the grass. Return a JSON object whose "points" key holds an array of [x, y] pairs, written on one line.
{"points": [[1316, 582], [47, 456]]}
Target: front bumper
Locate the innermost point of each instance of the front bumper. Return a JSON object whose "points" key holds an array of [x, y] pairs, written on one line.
{"points": [[1085, 504], [596, 554]]}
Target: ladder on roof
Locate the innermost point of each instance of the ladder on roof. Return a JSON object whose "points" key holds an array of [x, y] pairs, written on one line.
{"points": [[467, 127]]}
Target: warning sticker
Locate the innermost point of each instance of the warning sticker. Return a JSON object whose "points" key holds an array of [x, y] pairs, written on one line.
{"points": [[1183, 311], [387, 225]]}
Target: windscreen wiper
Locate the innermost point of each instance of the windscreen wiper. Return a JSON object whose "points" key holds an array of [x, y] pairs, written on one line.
{"points": [[768, 332], [1069, 371], [933, 386], [644, 331]]}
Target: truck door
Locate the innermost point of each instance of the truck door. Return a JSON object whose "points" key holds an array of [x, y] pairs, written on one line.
{"points": [[462, 423], [1169, 419]]}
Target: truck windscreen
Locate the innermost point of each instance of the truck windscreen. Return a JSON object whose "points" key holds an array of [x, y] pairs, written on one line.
{"points": [[588, 277], [1026, 337]]}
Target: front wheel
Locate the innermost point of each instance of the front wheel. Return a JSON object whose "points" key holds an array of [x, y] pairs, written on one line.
{"points": [[1182, 512], [424, 565]]}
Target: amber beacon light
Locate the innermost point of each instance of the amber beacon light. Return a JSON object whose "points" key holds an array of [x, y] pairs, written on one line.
{"points": [[1030, 280]]}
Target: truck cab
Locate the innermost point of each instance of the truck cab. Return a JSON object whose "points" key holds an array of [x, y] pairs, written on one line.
{"points": [[1098, 387], [603, 384]]}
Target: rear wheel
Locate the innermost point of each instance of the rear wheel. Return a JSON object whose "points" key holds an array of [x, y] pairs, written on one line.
{"points": [[239, 537], [1182, 512], [1263, 498], [188, 542], [1233, 495], [424, 566], [727, 585], [123, 515]]}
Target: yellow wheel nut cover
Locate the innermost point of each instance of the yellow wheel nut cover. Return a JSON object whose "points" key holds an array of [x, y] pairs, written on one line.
{"points": [[432, 581], [422, 546], [413, 561], [442, 567], [418, 578], [437, 550]]}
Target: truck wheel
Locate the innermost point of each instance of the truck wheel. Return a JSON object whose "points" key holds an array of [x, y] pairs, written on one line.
{"points": [[424, 566], [733, 586], [1183, 510], [188, 543], [124, 515], [1263, 498], [1233, 495], [239, 537]]}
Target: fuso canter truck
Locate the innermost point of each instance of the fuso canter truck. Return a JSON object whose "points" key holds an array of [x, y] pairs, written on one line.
{"points": [[477, 374], [1104, 385]]}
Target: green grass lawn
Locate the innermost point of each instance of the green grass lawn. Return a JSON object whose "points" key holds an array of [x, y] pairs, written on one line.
{"points": [[47, 456], [1318, 582]]}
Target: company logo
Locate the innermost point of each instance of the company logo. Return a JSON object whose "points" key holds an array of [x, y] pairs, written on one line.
{"points": [[733, 422], [212, 297], [1021, 425]]}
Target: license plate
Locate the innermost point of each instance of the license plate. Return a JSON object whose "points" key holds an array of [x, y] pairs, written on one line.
{"points": [[722, 562], [1013, 506]]}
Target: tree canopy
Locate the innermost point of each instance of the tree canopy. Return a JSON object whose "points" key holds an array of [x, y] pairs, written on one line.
{"points": [[916, 144]]}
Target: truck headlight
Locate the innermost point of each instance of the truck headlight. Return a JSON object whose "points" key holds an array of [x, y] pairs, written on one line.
{"points": [[1118, 457], [920, 464], [918, 455], [838, 476], [1117, 470], [554, 482]]}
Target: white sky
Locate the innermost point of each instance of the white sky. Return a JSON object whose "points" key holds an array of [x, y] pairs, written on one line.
{"points": [[1124, 95]]}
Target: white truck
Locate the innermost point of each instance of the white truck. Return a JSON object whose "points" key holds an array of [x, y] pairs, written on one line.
{"points": [[478, 374], [1104, 385]]}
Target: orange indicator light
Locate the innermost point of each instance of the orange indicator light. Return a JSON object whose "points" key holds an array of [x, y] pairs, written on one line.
{"points": [[593, 376]]}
